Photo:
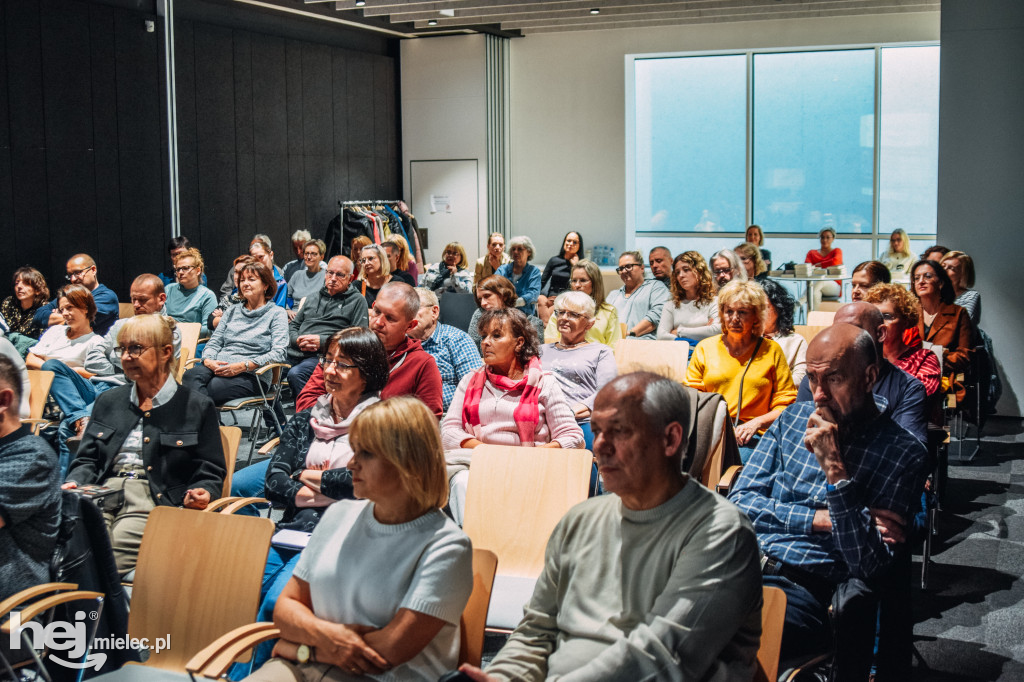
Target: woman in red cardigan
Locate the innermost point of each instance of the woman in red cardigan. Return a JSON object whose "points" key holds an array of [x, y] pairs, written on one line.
{"points": [[942, 322], [825, 257]]}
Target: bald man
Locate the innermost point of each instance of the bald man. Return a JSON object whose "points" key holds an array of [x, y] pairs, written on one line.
{"points": [[906, 401], [828, 489], [81, 269]]}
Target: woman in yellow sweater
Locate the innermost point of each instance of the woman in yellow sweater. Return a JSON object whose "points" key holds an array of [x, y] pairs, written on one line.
{"points": [[749, 370]]}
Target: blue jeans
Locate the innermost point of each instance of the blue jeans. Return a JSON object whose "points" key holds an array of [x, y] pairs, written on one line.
{"points": [[250, 482], [588, 443], [67, 427], [72, 391]]}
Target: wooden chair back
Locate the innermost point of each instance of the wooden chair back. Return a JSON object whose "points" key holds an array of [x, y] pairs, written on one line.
{"points": [[40, 381], [534, 486], [667, 358], [189, 334], [230, 437], [196, 592], [125, 310], [773, 617], [809, 332], [829, 305], [474, 616], [821, 318], [714, 466]]}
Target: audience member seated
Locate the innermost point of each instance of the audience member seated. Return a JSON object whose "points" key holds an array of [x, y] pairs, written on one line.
{"points": [[356, 250], [381, 586], [586, 277], [826, 256], [750, 259], [755, 236], [511, 400], [260, 250], [495, 257], [903, 400], [748, 370], [558, 272], [943, 323], [298, 240], [898, 259], [398, 259], [581, 367], [81, 270], [75, 394], [307, 472], [412, 370], [175, 246], [900, 311], [494, 293], [230, 284], [336, 305], [692, 314], [187, 299], [935, 253], [658, 580], [660, 260], [8, 350], [307, 280], [525, 276], [726, 266], [157, 442], [250, 334], [778, 326], [828, 488], [232, 297], [960, 268], [866, 275], [375, 272], [18, 311], [29, 493], [451, 274], [639, 301], [454, 352]]}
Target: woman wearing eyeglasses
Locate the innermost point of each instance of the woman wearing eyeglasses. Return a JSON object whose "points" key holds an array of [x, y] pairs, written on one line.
{"points": [[375, 273], [942, 322], [155, 441], [307, 472], [581, 368], [525, 276], [310, 279], [452, 273], [586, 277], [187, 299]]}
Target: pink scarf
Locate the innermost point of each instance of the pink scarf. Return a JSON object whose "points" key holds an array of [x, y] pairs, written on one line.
{"points": [[526, 413]]}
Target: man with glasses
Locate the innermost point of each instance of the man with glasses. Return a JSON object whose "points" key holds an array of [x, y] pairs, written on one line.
{"points": [[639, 301], [103, 362], [725, 267], [454, 352], [337, 305], [81, 269]]}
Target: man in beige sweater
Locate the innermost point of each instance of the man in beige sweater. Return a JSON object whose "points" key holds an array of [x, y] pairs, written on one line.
{"points": [[658, 581]]}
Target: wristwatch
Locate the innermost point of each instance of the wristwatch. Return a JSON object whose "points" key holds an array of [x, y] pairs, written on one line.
{"points": [[305, 654]]}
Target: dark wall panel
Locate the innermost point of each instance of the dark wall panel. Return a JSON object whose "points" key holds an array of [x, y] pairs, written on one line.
{"points": [[215, 100], [270, 115], [271, 173], [66, 68]]}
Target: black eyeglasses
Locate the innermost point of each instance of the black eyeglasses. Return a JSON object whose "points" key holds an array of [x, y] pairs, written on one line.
{"points": [[627, 267], [725, 271], [77, 273], [134, 351], [183, 269], [338, 364]]}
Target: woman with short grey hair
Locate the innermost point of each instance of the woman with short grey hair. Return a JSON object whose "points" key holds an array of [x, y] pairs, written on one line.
{"points": [[523, 275]]}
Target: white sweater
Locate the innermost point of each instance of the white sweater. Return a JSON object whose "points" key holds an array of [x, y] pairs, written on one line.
{"points": [[690, 320]]}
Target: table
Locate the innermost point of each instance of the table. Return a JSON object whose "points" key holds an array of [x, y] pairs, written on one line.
{"points": [[807, 281]]}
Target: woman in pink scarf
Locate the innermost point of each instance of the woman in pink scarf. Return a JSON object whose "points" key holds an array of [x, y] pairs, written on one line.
{"points": [[508, 401]]}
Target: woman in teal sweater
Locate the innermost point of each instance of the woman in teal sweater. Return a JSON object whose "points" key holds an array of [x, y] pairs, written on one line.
{"points": [[187, 299]]}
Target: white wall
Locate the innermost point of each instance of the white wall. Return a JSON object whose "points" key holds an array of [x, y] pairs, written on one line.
{"points": [[444, 110], [568, 110], [981, 165]]}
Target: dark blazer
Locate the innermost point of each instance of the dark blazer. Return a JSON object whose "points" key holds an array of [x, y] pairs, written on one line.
{"points": [[181, 449], [951, 329]]}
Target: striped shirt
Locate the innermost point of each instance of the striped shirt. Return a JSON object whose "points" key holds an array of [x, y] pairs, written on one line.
{"points": [[782, 485]]}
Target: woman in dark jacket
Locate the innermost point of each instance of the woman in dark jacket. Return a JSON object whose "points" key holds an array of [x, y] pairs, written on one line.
{"points": [[157, 442], [558, 272]]}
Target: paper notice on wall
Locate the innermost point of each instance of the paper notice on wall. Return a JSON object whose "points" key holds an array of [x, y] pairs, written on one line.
{"points": [[440, 203]]}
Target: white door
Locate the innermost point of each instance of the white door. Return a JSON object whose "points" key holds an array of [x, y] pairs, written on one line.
{"points": [[445, 201]]}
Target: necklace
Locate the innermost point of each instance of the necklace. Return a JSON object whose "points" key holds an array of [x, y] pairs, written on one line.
{"points": [[562, 346]]}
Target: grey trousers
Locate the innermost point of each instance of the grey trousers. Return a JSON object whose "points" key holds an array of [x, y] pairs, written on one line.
{"points": [[126, 524]]}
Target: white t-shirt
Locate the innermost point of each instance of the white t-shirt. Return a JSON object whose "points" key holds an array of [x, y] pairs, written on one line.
{"points": [[362, 571], [54, 344]]}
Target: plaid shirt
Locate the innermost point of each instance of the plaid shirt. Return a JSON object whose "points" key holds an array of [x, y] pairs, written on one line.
{"points": [[782, 485], [456, 356]]}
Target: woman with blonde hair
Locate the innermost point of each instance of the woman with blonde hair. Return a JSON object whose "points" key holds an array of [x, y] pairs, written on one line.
{"points": [[750, 371], [898, 258], [375, 273], [403, 268], [755, 235], [383, 581], [451, 273], [586, 277], [750, 258], [495, 257], [187, 299], [960, 268], [693, 311]]}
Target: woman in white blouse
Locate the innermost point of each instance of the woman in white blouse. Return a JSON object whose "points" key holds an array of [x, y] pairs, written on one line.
{"points": [[778, 326], [693, 312]]}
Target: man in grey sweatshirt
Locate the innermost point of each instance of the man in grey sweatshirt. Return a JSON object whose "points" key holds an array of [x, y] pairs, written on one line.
{"points": [[337, 306]]}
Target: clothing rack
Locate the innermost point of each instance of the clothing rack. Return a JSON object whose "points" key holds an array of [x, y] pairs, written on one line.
{"points": [[343, 204]]}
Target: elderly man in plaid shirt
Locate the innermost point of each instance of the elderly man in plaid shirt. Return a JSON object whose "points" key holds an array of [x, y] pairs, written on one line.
{"points": [[828, 489]]}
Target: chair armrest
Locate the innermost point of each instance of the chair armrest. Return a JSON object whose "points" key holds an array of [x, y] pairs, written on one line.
{"points": [[30, 593], [728, 479], [270, 366], [269, 446], [45, 604], [214, 659], [192, 361], [229, 505]]}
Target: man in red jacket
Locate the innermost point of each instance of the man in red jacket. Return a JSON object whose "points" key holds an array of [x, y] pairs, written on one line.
{"points": [[413, 370]]}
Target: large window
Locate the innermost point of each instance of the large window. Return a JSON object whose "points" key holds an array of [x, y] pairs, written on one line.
{"points": [[791, 140]]}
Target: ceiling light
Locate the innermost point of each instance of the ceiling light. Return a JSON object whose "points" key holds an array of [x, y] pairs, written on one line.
{"points": [[432, 22], [595, 11], [360, 3]]}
